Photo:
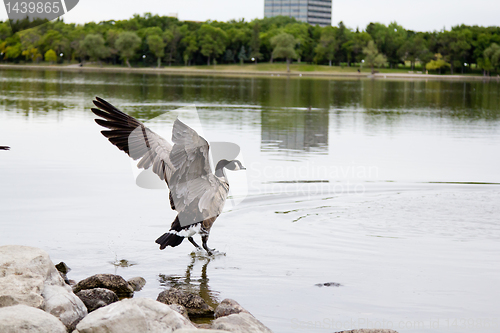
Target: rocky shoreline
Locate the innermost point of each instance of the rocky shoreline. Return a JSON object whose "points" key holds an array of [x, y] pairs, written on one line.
{"points": [[37, 297]]}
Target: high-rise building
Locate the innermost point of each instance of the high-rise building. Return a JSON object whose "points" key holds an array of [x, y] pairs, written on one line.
{"points": [[311, 11]]}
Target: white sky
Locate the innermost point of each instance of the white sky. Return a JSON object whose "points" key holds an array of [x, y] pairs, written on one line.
{"points": [[420, 15]]}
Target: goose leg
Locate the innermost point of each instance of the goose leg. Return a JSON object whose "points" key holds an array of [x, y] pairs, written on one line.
{"points": [[204, 240], [194, 243]]}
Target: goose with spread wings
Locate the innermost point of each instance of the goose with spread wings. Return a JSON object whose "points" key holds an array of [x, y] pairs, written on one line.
{"points": [[196, 193]]}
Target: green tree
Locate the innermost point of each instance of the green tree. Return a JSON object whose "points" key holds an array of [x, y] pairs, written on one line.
{"points": [[157, 46], [50, 56], [172, 37], [127, 44], [13, 51], [301, 34], [373, 57], [414, 49], [212, 41], [485, 65], [492, 57], [94, 47], [255, 42], [359, 42], [437, 63], [32, 54], [30, 42], [343, 38], [284, 47], [237, 37], [454, 46], [111, 37], [242, 55], [54, 40], [388, 39], [190, 43], [327, 46]]}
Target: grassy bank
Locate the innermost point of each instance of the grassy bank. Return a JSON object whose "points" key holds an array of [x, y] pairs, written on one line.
{"points": [[261, 69]]}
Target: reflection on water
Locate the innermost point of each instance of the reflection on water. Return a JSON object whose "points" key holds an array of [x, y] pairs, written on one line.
{"points": [[295, 130], [195, 282], [51, 91]]}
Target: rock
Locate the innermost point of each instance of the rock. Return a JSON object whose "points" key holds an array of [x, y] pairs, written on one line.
{"points": [[242, 322], [63, 269], [328, 284], [26, 319], [227, 307], [369, 330], [180, 309], [194, 304], [96, 298], [28, 276], [115, 283], [199, 330], [137, 283], [232, 317], [62, 303], [133, 315]]}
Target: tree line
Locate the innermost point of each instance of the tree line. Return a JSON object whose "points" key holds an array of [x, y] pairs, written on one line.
{"points": [[152, 40]]}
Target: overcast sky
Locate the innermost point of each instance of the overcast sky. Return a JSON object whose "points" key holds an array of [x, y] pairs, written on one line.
{"points": [[422, 15]]}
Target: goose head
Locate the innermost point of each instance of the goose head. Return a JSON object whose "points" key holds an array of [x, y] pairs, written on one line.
{"points": [[233, 165]]}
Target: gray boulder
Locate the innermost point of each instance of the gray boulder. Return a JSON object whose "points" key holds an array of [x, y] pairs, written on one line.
{"points": [[180, 309], [115, 283], [227, 307], [232, 317], [63, 269], [28, 276], [194, 304], [26, 319], [96, 298], [62, 303], [199, 330], [240, 323], [369, 330], [137, 283], [134, 315]]}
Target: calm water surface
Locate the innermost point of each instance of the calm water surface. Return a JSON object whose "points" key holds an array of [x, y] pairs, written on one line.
{"points": [[389, 188]]}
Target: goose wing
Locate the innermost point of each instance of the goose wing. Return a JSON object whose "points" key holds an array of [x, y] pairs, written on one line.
{"points": [[131, 136], [196, 192]]}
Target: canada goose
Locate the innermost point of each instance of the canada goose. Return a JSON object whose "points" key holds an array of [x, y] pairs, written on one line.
{"points": [[4, 148], [195, 192]]}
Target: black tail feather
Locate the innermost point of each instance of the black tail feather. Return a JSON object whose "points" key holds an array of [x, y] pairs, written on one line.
{"points": [[169, 239]]}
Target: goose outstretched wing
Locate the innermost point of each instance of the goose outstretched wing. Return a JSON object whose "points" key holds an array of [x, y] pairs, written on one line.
{"points": [[131, 136], [196, 193]]}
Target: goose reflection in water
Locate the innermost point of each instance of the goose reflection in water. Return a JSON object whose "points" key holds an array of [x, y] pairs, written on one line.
{"points": [[191, 282]]}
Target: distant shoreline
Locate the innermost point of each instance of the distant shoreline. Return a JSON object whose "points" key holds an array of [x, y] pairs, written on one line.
{"points": [[217, 72]]}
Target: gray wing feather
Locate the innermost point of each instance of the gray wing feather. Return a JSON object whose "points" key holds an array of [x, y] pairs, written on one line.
{"points": [[134, 138], [193, 185], [197, 193]]}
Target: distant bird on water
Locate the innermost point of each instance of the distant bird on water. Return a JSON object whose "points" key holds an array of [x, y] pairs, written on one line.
{"points": [[195, 192], [4, 147]]}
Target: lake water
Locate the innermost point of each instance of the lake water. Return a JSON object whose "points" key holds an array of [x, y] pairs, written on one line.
{"points": [[389, 188]]}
